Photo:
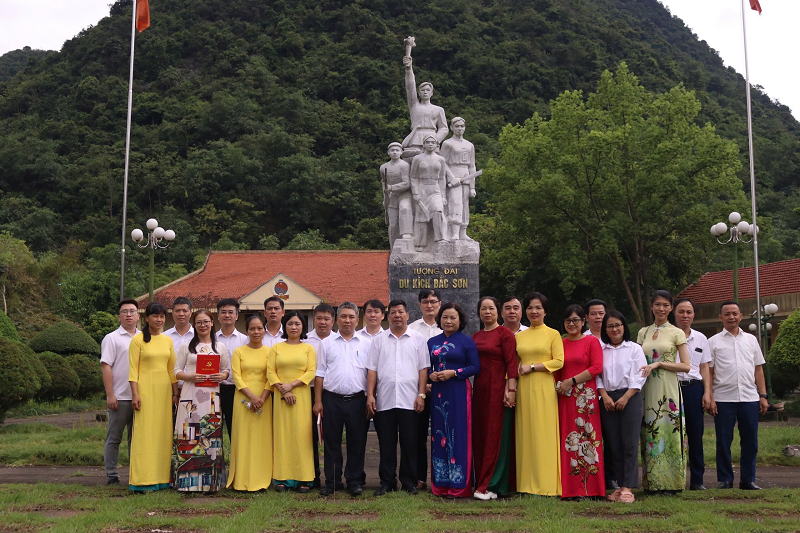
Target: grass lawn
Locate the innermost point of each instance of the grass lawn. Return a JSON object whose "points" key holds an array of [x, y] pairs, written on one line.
{"points": [[95, 402], [55, 508]]}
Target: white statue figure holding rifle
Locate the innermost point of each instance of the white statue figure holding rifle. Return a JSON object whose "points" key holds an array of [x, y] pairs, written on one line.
{"points": [[397, 195], [459, 154]]}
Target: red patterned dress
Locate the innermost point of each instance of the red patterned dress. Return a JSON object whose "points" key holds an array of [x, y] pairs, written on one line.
{"points": [[582, 469]]}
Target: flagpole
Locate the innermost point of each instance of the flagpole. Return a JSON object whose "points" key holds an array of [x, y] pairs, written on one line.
{"points": [[127, 157], [752, 174]]}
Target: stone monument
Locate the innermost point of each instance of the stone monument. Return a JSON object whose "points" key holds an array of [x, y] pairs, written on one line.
{"points": [[426, 198]]}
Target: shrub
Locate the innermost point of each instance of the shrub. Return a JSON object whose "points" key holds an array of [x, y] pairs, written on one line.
{"points": [[7, 329], [784, 356], [18, 375], [89, 373], [45, 379], [792, 408], [65, 381], [101, 324], [65, 338]]}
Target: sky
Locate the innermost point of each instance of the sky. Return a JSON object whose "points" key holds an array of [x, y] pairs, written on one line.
{"points": [[772, 39]]}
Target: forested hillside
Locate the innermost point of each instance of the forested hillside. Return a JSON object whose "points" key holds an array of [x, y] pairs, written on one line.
{"points": [[256, 122]]}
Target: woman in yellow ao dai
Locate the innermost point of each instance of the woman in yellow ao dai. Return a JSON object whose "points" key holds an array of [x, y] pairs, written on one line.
{"points": [[540, 352]]}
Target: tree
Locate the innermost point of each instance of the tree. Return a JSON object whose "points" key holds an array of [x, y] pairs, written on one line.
{"points": [[615, 192], [784, 356]]}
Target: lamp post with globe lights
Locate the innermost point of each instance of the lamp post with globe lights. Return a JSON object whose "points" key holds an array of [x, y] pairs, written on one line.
{"points": [[155, 236], [767, 312], [739, 231]]}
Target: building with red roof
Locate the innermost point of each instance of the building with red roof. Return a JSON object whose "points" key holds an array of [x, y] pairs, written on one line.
{"points": [[302, 279]]}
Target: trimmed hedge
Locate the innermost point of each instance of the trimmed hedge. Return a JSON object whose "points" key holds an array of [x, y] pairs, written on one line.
{"points": [[7, 329], [89, 373], [65, 338], [784, 357], [64, 380], [18, 375]]}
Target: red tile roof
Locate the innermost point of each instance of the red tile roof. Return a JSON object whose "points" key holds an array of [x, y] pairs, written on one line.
{"points": [[782, 277], [335, 276]]}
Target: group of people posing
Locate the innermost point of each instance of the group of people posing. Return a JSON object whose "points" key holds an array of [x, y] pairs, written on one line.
{"points": [[510, 409]]}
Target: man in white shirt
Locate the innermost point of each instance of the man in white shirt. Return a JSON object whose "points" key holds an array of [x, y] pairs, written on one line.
{"points": [[739, 394], [115, 364], [397, 372], [228, 314], [595, 311], [430, 301], [695, 389], [373, 317], [341, 399], [511, 311], [323, 316], [274, 309], [182, 332]]}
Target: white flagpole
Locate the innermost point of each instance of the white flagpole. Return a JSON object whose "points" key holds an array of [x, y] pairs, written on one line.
{"points": [[127, 158], [752, 173]]}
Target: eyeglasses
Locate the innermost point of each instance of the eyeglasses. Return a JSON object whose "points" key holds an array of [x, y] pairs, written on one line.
{"points": [[203, 323], [613, 326], [575, 321], [129, 312], [429, 302]]}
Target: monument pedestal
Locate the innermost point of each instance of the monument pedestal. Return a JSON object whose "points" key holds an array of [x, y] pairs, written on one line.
{"points": [[450, 267]]}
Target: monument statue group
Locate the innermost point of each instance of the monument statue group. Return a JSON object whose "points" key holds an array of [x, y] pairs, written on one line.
{"points": [[427, 185]]}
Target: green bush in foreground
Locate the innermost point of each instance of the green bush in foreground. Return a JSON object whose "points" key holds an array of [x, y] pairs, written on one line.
{"points": [[7, 329], [784, 356], [64, 380], [89, 373], [18, 375], [65, 338]]}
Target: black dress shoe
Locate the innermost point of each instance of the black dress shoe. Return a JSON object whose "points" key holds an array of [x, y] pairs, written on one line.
{"points": [[697, 487], [748, 485], [383, 489], [411, 490], [355, 491], [325, 491], [112, 481], [725, 485]]}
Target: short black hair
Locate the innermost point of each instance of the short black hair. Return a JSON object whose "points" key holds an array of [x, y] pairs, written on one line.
{"points": [[536, 296], [182, 300], [274, 299], [375, 304], [288, 316], [127, 301], [395, 303], [626, 332], [251, 318], [153, 308], [509, 298], [661, 293], [462, 317], [424, 293], [574, 308], [227, 302], [324, 308], [671, 317], [591, 303], [729, 302], [490, 298]]}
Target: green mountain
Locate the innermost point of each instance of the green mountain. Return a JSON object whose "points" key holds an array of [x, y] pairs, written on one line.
{"points": [[14, 61], [253, 119]]}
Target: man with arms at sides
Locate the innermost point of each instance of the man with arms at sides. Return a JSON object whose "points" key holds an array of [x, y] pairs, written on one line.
{"points": [[595, 311], [373, 317], [512, 314], [228, 314], [340, 397], [182, 332], [695, 388], [397, 373], [274, 309], [115, 365], [738, 395], [430, 301], [324, 316]]}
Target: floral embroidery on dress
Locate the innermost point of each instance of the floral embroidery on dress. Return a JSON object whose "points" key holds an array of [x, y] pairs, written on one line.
{"points": [[583, 443], [445, 470]]}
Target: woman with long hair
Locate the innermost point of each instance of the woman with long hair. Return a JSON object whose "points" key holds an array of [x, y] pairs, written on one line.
{"points": [[198, 464], [251, 444], [292, 365], [154, 390], [582, 465], [663, 430], [541, 353], [493, 401]]}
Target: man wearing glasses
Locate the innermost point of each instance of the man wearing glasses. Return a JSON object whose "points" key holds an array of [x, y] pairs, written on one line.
{"points": [[115, 364], [429, 303], [228, 314]]}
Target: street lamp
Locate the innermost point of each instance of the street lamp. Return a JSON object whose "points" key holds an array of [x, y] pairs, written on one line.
{"points": [[767, 312], [154, 238], [739, 231]]}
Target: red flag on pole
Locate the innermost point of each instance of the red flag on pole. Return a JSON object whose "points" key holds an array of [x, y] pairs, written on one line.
{"points": [[143, 14], [754, 5]]}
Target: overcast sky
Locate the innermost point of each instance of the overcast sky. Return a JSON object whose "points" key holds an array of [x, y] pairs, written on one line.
{"points": [[772, 37]]}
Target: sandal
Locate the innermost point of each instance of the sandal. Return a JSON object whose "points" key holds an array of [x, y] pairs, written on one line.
{"points": [[614, 496], [280, 487], [626, 497], [303, 489]]}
